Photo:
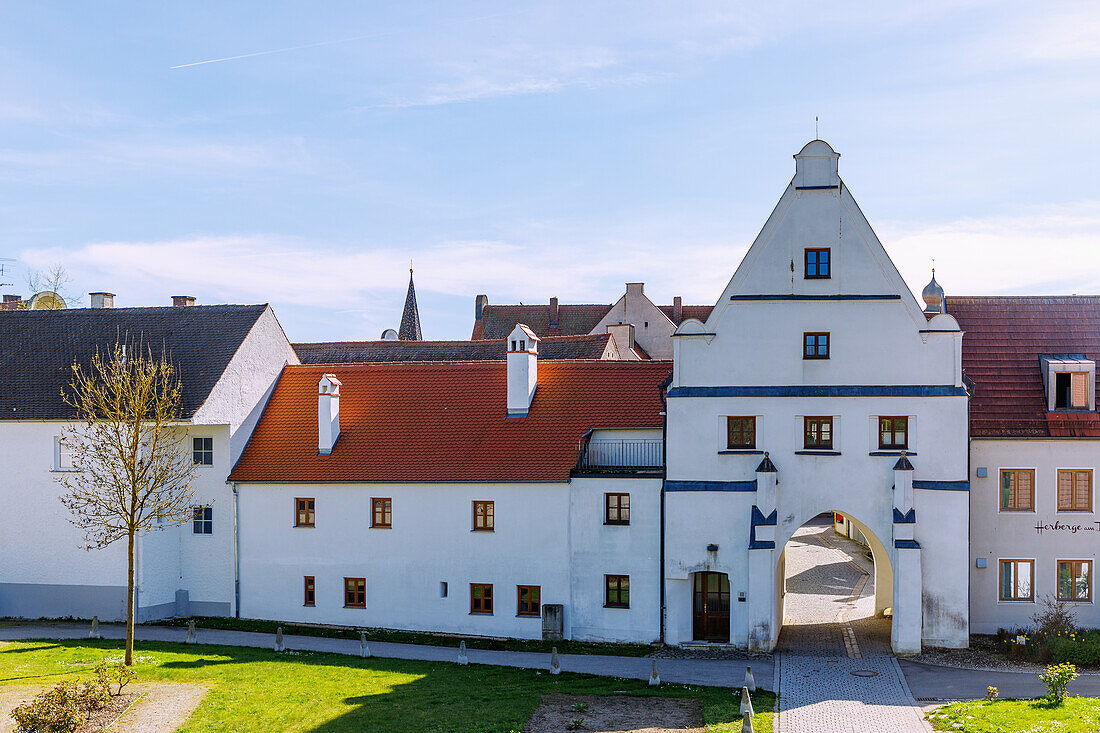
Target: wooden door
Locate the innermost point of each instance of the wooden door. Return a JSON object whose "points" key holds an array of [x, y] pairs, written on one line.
{"points": [[711, 610]]}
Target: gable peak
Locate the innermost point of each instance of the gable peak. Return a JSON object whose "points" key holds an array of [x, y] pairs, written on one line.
{"points": [[815, 166]]}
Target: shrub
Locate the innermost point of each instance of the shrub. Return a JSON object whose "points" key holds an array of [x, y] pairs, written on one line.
{"points": [[1056, 677], [1075, 649], [1054, 619], [58, 710]]}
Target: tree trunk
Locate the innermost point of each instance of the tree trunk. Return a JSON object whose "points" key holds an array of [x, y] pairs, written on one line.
{"points": [[129, 661]]}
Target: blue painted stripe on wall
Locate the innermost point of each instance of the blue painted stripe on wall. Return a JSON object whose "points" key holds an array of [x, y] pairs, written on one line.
{"points": [[943, 485], [840, 390], [885, 296], [710, 485]]}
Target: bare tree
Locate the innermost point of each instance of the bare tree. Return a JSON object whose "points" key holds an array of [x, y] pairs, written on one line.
{"points": [[131, 467], [54, 279]]}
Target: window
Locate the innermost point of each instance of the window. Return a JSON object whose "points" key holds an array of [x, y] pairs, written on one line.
{"points": [[1071, 391], [64, 458], [203, 451], [740, 432], [616, 508], [443, 589], [481, 598], [355, 592], [1075, 580], [893, 433], [527, 600], [309, 596], [815, 345], [203, 520], [303, 513], [1017, 578], [819, 433], [1017, 489], [1074, 490], [380, 512], [483, 516], [616, 591], [817, 263]]}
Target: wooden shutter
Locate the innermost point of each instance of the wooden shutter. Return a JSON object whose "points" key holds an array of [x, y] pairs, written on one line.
{"points": [[1079, 390]]}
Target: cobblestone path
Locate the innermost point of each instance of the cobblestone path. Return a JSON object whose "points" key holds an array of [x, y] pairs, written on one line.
{"points": [[834, 665]]}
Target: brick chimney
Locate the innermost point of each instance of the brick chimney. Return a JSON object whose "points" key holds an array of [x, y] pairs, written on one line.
{"points": [[102, 300], [523, 355], [677, 310], [183, 301], [328, 413], [553, 313]]}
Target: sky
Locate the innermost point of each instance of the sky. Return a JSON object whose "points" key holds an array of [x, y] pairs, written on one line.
{"points": [[302, 153]]}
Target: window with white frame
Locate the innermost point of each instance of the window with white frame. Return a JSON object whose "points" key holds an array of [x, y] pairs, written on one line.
{"points": [[203, 520], [64, 457]]}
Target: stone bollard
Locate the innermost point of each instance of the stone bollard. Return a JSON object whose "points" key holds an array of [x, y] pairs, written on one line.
{"points": [[654, 676], [750, 681], [364, 650], [746, 702], [462, 658], [746, 723], [555, 663], [94, 633], [279, 646], [191, 634]]}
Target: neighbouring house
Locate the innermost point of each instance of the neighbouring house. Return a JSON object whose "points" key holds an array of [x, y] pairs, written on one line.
{"points": [[641, 329], [228, 358]]}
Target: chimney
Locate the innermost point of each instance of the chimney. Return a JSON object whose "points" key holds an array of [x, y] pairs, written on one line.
{"points": [[553, 313], [677, 310], [635, 288], [523, 355], [479, 306], [328, 413], [103, 300], [623, 335], [182, 301]]}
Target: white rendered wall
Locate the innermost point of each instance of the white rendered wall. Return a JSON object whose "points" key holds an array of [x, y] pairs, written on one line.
{"points": [[652, 328], [431, 541], [597, 549], [999, 535]]}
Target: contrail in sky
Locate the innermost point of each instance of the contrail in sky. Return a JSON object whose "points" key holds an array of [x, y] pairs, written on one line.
{"points": [[276, 50], [328, 43]]}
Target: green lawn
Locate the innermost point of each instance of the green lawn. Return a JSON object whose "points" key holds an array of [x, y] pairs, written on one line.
{"points": [[258, 690], [1075, 715]]}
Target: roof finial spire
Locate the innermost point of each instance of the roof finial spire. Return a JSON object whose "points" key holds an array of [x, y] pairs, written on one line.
{"points": [[410, 317], [817, 133]]}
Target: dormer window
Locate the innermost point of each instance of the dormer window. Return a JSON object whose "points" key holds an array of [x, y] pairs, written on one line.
{"points": [[1069, 381]]}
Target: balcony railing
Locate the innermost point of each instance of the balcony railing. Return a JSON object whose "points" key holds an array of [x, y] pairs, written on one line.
{"points": [[619, 455]]}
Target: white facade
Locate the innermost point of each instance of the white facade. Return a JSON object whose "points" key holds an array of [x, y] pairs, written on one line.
{"points": [[549, 535], [883, 358], [1042, 535], [44, 570]]}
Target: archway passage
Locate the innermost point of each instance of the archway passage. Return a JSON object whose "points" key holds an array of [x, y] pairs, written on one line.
{"points": [[711, 607], [828, 597]]}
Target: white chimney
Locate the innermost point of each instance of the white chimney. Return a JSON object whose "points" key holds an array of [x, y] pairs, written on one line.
{"points": [[523, 355], [328, 413], [103, 300]]}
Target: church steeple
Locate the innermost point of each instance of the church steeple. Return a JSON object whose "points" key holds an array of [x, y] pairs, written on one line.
{"points": [[410, 318]]}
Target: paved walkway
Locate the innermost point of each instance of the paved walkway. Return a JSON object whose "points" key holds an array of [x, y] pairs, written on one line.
{"points": [[714, 672], [835, 669]]}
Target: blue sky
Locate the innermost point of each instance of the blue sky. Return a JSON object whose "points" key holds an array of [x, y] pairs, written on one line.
{"points": [[526, 150]]}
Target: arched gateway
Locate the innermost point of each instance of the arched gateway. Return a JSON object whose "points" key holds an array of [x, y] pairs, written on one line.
{"points": [[816, 384]]}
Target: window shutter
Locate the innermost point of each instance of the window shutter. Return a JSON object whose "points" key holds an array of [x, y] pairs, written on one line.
{"points": [[1065, 490], [1080, 390]]}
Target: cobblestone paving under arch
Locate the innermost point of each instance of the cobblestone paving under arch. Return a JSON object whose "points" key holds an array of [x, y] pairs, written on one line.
{"points": [[829, 632]]}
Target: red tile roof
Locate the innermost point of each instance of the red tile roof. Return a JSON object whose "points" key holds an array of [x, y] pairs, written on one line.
{"points": [[593, 346], [497, 321], [1001, 347], [438, 421]]}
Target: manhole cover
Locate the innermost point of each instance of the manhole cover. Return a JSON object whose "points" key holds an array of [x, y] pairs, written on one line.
{"points": [[864, 673]]}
